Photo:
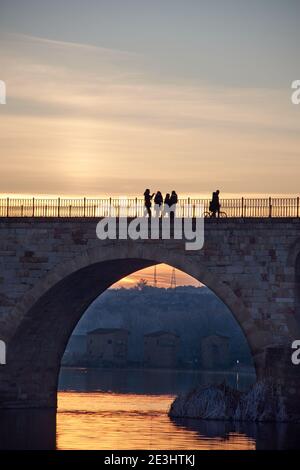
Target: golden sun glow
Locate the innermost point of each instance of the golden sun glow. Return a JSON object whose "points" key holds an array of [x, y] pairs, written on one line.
{"points": [[163, 275], [115, 421]]}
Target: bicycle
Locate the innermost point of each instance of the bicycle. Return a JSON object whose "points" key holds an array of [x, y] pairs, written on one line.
{"points": [[212, 215]]}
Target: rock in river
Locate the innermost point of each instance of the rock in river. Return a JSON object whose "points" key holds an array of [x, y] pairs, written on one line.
{"points": [[221, 402]]}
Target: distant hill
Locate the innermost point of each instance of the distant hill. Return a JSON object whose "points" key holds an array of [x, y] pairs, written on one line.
{"points": [[189, 311]]}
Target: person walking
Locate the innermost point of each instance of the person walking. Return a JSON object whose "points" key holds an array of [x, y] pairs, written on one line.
{"points": [[167, 204], [147, 201], [215, 205], [173, 202], [158, 202]]}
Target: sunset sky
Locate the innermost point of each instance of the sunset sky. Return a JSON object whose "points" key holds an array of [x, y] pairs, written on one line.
{"points": [[163, 276], [110, 97]]}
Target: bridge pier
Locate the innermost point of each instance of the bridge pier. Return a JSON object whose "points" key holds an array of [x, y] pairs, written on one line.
{"points": [[26, 390], [286, 377]]}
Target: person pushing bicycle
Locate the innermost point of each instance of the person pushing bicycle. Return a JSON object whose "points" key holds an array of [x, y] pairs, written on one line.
{"points": [[215, 205]]}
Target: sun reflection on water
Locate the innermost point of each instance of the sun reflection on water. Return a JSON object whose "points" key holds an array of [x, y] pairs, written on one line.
{"points": [[113, 421]]}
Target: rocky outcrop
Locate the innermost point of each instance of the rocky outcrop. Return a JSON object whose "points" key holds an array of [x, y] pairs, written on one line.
{"points": [[220, 402]]}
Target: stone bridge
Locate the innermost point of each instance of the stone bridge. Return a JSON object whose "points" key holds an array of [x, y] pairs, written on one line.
{"points": [[52, 269]]}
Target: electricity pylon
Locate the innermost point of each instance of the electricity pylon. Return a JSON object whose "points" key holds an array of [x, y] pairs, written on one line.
{"points": [[155, 277], [173, 279]]}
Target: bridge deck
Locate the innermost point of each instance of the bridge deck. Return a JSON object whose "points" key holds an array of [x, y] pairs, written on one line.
{"points": [[274, 207]]}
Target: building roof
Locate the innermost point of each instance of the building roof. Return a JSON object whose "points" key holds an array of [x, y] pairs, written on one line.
{"points": [[106, 331], [215, 335], [160, 333]]}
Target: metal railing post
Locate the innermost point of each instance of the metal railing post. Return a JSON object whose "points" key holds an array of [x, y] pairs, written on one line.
{"points": [[7, 207], [270, 207], [242, 207], [298, 202], [58, 207], [84, 206], [33, 207]]}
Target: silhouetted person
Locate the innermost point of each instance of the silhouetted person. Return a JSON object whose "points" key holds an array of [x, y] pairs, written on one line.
{"points": [[167, 204], [214, 205], [147, 201], [158, 201], [173, 202]]}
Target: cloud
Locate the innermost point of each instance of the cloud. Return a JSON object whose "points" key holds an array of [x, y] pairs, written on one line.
{"points": [[29, 40], [86, 119], [107, 84]]}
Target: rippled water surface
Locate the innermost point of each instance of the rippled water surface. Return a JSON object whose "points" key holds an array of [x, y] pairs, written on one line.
{"points": [[119, 421], [127, 409]]}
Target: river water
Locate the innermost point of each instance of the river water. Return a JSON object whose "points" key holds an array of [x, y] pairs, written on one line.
{"points": [[127, 409]]}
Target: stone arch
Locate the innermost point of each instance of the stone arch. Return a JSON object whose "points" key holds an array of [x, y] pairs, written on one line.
{"points": [[48, 313], [154, 255]]}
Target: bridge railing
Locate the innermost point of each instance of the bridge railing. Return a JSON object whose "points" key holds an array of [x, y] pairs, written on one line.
{"points": [[134, 207]]}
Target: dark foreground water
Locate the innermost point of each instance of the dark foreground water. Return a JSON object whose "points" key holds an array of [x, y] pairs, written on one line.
{"points": [[127, 409]]}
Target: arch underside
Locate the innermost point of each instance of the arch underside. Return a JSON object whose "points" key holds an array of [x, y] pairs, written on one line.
{"points": [[35, 350]]}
